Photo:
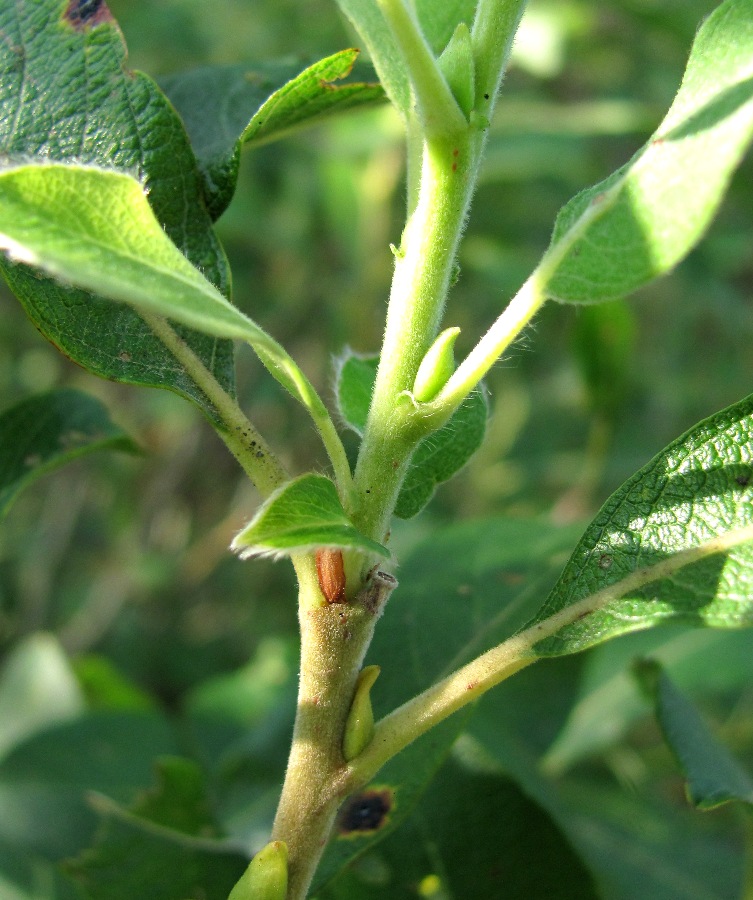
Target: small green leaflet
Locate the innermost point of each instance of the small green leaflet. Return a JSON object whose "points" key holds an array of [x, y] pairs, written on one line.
{"points": [[438, 457], [302, 515], [227, 107], [95, 229], [643, 219], [713, 775], [674, 543], [46, 431]]}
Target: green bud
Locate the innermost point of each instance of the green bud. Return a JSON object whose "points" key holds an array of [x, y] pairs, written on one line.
{"points": [[456, 63], [266, 877], [436, 367], [359, 728]]}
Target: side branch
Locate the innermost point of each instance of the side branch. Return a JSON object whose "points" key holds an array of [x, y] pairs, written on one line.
{"points": [[402, 726]]}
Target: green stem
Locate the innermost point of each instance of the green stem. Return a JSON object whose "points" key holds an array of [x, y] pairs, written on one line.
{"points": [[492, 34], [256, 458]]}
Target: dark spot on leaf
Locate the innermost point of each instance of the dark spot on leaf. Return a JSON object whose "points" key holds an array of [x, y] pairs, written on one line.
{"points": [[486, 96], [605, 561], [364, 812], [124, 356], [743, 479], [84, 14]]}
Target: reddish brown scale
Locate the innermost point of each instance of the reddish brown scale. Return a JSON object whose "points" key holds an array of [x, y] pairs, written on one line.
{"points": [[331, 574]]}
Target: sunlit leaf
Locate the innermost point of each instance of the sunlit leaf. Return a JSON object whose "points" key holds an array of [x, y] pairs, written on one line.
{"points": [[643, 219], [674, 543], [46, 431], [303, 514]]}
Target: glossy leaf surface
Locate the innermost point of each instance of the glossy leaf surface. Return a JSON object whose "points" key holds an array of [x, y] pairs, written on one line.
{"points": [[642, 220], [46, 431], [66, 94]]}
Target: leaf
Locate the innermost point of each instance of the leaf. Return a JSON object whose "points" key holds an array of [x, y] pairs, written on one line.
{"points": [[225, 107], [51, 217], [461, 592], [303, 514], [444, 453], [674, 543], [45, 432], [37, 689], [643, 219], [475, 834], [367, 19], [45, 781], [164, 847], [713, 775], [438, 457], [67, 95]]}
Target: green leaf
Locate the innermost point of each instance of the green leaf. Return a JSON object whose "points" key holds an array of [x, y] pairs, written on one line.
{"points": [[225, 107], [367, 19], [46, 781], [438, 457], [713, 775], [673, 544], [52, 218], [44, 432], [475, 834], [37, 689], [303, 514], [67, 95], [164, 846], [461, 592], [643, 219]]}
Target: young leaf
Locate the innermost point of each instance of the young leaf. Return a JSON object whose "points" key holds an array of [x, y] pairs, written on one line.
{"points": [[674, 543], [44, 432], [438, 457], [439, 20], [713, 775], [643, 219], [95, 229], [225, 107], [68, 95], [303, 514]]}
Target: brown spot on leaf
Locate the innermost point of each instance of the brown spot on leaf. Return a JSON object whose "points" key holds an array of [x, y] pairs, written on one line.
{"points": [[365, 812], [83, 14]]}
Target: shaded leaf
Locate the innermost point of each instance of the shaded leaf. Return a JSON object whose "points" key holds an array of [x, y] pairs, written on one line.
{"points": [[45, 781], [438, 20], [46, 431], [461, 592], [475, 834], [164, 847], [52, 218], [438, 457], [643, 219], [301, 515], [37, 689], [67, 95], [713, 775], [680, 529], [225, 107]]}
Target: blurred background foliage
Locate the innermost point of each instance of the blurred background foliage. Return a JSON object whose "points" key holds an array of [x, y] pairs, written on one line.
{"points": [[125, 559]]}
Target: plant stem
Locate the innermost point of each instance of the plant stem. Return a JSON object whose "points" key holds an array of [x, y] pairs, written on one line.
{"points": [[493, 31], [256, 458], [334, 639]]}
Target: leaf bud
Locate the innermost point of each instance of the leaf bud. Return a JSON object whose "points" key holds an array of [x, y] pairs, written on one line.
{"points": [[457, 66], [436, 367], [266, 877], [359, 727]]}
